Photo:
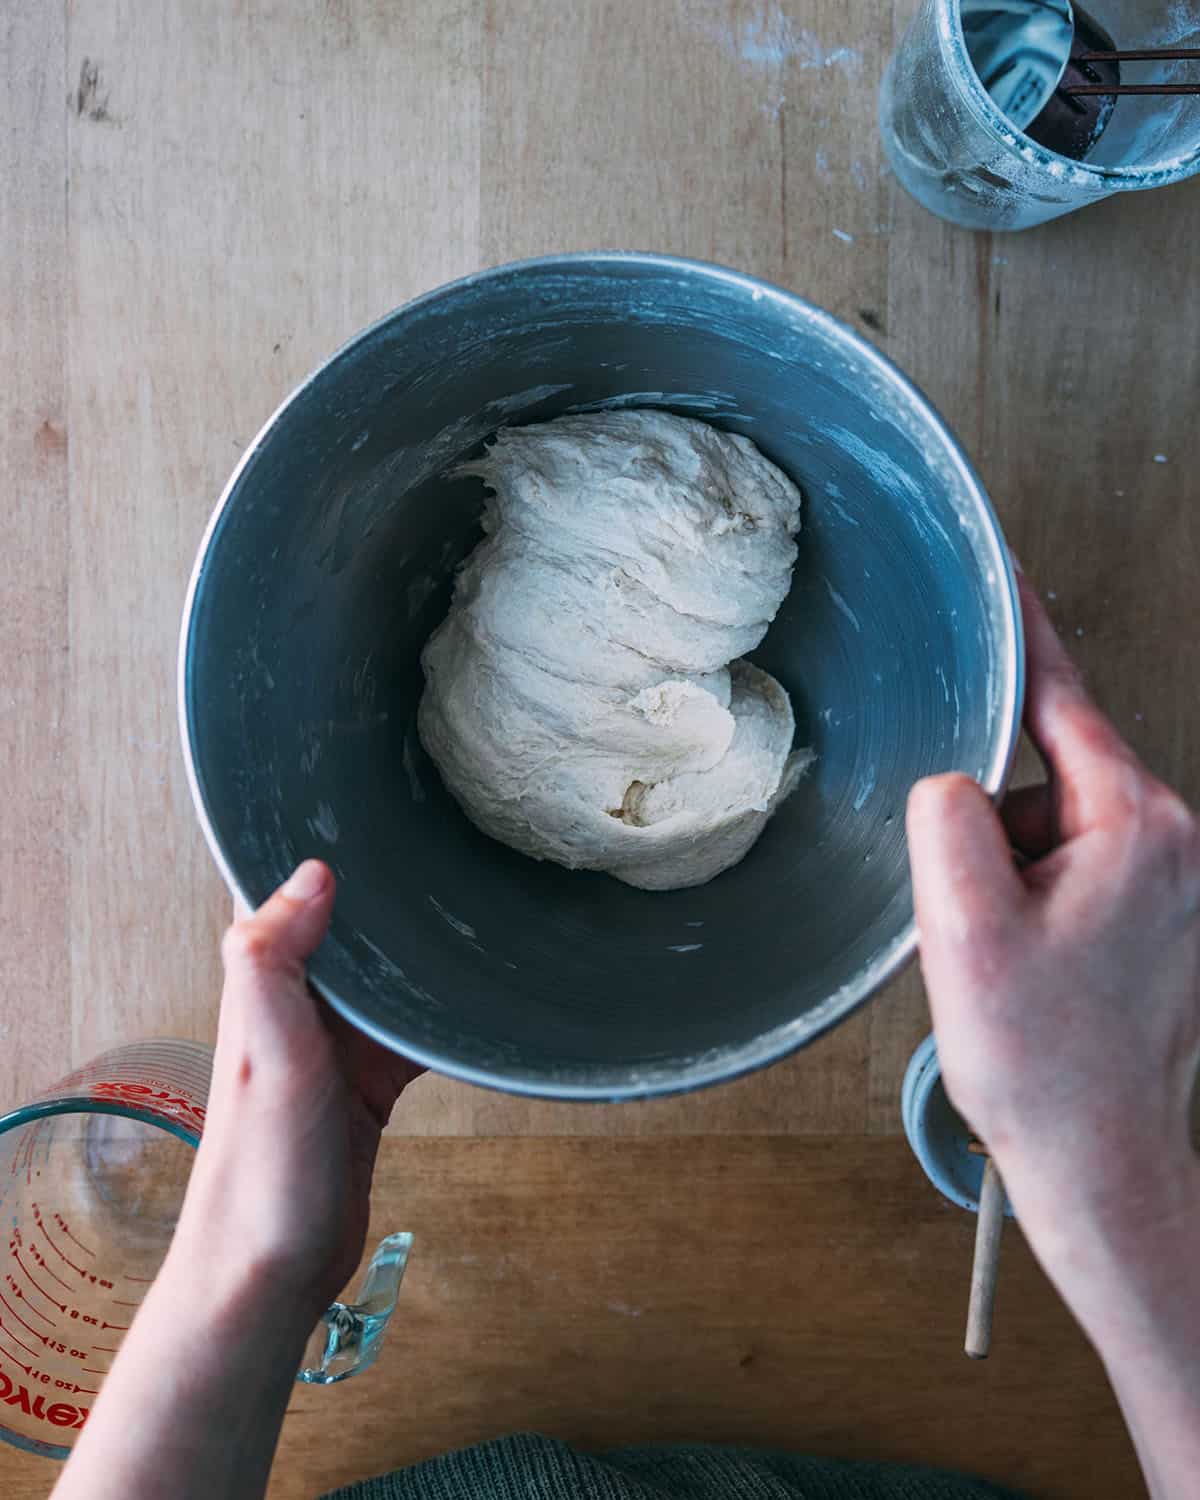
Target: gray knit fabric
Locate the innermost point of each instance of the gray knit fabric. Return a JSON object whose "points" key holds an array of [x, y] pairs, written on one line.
{"points": [[528, 1467]]}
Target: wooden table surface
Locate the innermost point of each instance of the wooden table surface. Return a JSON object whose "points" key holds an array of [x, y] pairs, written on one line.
{"points": [[197, 204]]}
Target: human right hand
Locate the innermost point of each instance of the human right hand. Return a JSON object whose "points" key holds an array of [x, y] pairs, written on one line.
{"points": [[1066, 1004]]}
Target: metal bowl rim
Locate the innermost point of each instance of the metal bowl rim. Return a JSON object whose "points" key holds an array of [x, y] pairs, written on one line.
{"points": [[726, 1064]]}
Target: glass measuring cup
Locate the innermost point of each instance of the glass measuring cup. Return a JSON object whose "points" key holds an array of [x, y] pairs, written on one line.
{"points": [[92, 1177], [956, 151]]}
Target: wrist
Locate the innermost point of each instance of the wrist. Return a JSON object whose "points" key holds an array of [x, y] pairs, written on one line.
{"points": [[194, 1400], [224, 1293], [248, 1240], [1124, 1261]]}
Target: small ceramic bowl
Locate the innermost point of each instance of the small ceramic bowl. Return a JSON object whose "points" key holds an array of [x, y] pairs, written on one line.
{"points": [[938, 1134]]}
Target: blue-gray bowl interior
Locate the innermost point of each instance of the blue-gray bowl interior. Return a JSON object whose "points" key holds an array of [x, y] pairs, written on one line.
{"points": [[331, 560]]}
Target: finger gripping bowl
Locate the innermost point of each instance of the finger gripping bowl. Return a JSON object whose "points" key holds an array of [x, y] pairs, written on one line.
{"points": [[330, 559]]}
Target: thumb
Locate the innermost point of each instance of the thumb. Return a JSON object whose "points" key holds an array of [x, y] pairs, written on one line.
{"points": [[264, 954], [295, 919], [287, 927], [966, 889]]}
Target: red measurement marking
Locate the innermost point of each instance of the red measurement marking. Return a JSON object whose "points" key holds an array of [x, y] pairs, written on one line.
{"points": [[82, 1390], [41, 1223], [17, 1357], [101, 1349], [65, 1227], [146, 1280], [88, 1371], [27, 1368], [118, 1303], [21, 1297], [20, 1319], [116, 1327], [10, 1334], [62, 1306], [49, 1270]]}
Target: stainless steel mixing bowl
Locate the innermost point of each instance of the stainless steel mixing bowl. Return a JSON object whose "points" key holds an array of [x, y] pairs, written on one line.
{"points": [[329, 560]]}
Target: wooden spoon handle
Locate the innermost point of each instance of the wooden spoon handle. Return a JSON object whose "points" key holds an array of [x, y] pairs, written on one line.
{"points": [[988, 1229]]}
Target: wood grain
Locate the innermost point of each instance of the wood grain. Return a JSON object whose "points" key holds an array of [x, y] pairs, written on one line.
{"points": [[1068, 360], [196, 205], [244, 194], [36, 732], [801, 1095], [806, 1294]]}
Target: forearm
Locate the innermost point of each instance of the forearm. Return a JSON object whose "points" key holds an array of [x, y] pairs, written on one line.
{"points": [[1150, 1344], [1161, 1403], [195, 1399], [193, 1404], [1137, 1296]]}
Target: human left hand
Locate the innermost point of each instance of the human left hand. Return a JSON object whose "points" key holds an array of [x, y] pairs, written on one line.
{"points": [[281, 1184], [272, 1226]]}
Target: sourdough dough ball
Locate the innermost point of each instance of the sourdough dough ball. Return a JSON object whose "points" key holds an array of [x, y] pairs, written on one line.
{"points": [[584, 700]]}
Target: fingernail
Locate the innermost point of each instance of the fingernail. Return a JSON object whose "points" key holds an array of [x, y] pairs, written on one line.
{"points": [[1016, 561], [307, 881]]}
